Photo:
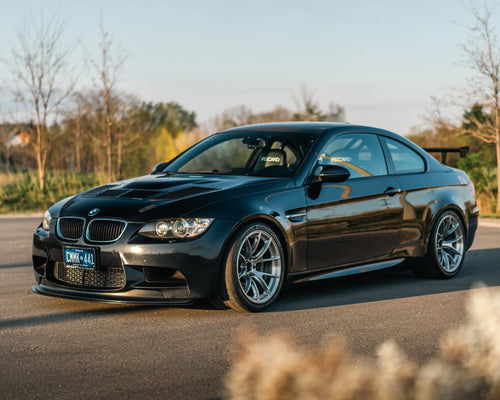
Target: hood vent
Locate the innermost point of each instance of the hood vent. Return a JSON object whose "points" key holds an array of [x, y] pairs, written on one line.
{"points": [[190, 191], [130, 194], [111, 193], [163, 184], [97, 191], [140, 194], [154, 195]]}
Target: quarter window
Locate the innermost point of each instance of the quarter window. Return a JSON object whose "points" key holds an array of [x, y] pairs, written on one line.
{"points": [[404, 159], [360, 153]]}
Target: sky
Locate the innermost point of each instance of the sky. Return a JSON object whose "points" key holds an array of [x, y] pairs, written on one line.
{"points": [[380, 60]]}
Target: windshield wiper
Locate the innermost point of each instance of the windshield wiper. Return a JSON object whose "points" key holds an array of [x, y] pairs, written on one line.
{"points": [[236, 171], [200, 172]]}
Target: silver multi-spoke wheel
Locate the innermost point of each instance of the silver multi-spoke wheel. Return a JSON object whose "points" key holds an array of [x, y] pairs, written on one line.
{"points": [[446, 250], [254, 270], [259, 266], [449, 242]]}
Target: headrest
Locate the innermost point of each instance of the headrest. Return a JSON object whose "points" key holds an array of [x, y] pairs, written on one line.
{"points": [[271, 158]]}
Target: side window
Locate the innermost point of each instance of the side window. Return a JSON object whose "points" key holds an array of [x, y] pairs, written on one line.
{"points": [[404, 159], [360, 153]]}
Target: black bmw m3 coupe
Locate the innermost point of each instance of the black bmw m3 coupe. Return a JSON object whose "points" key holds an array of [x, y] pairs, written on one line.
{"points": [[248, 210]]}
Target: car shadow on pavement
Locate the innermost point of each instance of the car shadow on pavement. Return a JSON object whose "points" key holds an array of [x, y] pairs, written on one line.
{"points": [[96, 310], [398, 282], [73, 315]]}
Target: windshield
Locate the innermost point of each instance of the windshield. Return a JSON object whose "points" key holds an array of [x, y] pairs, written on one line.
{"points": [[255, 153]]}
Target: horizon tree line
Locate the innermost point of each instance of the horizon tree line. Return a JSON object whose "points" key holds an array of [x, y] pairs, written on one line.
{"points": [[104, 129]]}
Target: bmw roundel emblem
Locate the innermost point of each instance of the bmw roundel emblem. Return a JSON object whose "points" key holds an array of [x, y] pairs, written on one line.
{"points": [[93, 212]]}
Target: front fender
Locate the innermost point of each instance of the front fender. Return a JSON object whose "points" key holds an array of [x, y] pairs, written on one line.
{"points": [[272, 209]]}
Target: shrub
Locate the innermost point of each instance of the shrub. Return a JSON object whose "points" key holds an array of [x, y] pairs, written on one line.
{"points": [[483, 173]]}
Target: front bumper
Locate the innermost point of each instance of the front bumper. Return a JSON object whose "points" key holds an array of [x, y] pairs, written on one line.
{"points": [[133, 270]]}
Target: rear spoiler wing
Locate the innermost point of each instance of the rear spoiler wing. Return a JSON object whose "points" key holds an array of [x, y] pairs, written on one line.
{"points": [[445, 150]]}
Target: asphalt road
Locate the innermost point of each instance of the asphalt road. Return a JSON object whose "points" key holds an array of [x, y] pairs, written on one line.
{"points": [[59, 349]]}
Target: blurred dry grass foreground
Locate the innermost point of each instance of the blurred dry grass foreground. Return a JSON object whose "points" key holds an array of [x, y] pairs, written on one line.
{"points": [[468, 366]]}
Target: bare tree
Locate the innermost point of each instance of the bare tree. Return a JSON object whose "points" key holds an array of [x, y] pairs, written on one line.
{"points": [[231, 117], [482, 55], [308, 109], [40, 66], [79, 117], [242, 115], [126, 132], [108, 68]]}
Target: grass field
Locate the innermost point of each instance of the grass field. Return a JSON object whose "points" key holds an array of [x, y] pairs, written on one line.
{"points": [[20, 191]]}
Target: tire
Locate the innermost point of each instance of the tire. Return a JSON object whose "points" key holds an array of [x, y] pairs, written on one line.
{"points": [[253, 270], [446, 250]]}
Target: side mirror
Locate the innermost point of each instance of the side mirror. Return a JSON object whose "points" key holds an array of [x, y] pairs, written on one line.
{"points": [[159, 167], [333, 173]]}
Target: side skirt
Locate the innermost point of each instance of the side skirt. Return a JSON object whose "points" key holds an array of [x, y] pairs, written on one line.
{"points": [[348, 271]]}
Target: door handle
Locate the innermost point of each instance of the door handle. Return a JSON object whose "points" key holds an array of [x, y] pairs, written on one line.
{"points": [[390, 191]]}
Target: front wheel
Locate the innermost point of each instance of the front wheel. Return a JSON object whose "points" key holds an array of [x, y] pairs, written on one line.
{"points": [[253, 270], [445, 255]]}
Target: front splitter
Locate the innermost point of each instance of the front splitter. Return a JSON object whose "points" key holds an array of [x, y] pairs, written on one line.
{"points": [[144, 297]]}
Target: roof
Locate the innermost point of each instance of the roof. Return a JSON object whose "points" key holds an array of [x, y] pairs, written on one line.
{"points": [[302, 127], [308, 128], [319, 128]]}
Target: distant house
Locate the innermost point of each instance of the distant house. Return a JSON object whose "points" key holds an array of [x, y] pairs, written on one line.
{"points": [[20, 139]]}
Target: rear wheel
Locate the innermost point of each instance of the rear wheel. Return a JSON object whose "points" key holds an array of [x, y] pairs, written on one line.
{"points": [[445, 255], [253, 270]]}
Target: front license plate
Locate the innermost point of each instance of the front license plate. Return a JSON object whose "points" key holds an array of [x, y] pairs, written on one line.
{"points": [[79, 258]]}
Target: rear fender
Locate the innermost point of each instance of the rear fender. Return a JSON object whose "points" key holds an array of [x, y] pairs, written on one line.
{"points": [[434, 210]]}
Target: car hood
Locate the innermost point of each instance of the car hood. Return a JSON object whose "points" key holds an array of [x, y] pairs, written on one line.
{"points": [[162, 196]]}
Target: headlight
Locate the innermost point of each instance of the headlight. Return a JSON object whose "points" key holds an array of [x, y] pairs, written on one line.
{"points": [[46, 220], [179, 228]]}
